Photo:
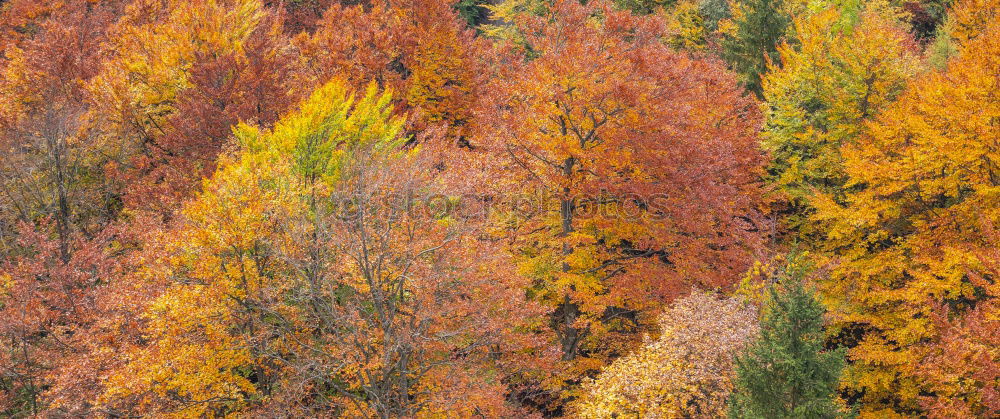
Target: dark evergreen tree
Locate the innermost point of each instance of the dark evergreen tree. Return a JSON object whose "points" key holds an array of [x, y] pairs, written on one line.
{"points": [[759, 28], [787, 373], [473, 11]]}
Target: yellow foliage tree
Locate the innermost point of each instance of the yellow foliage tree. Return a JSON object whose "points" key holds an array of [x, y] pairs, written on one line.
{"points": [[925, 187], [687, 26], [504, 14], [839, 74], [207, 332], [968, 19], [299, 283]]}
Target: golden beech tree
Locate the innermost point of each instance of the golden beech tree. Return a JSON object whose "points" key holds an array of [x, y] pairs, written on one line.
{"points": [[686, 372], [408, 318], [639, 166], [965, 20], [838, 74], [687, 26], [505, 13], [202, 348], [968, 19], [304, 280], [911, 236]]}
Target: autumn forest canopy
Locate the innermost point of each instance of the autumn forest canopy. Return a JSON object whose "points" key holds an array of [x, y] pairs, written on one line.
{"points": [[500, 208]]}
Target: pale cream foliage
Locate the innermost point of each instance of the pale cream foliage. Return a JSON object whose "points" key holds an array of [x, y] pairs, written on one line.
{"points": [[687, 372]]}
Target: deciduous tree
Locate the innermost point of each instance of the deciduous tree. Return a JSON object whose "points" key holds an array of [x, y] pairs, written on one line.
{"points": [[909, 238], [178, 75], [420, 48], [686, 372], [299, 283], [54, 205], [837, 75], [609, 136]]}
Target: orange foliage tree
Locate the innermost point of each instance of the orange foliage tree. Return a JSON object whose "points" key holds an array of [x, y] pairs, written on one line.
{"points": [[420, 48], [639, 166], [55, 204]]}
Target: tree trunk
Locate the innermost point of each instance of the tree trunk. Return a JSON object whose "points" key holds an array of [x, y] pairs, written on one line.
{"points": [[569, 311]]}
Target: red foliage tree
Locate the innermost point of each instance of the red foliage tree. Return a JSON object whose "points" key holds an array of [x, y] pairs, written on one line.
{"points": [[47, 299]]}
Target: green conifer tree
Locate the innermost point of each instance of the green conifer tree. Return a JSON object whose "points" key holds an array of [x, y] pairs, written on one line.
{"points": [[760, 27], [787, 373]]}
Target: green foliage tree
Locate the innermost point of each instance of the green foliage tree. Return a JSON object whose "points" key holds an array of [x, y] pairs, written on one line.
{"points": [[759, 26], [787, 373]]}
